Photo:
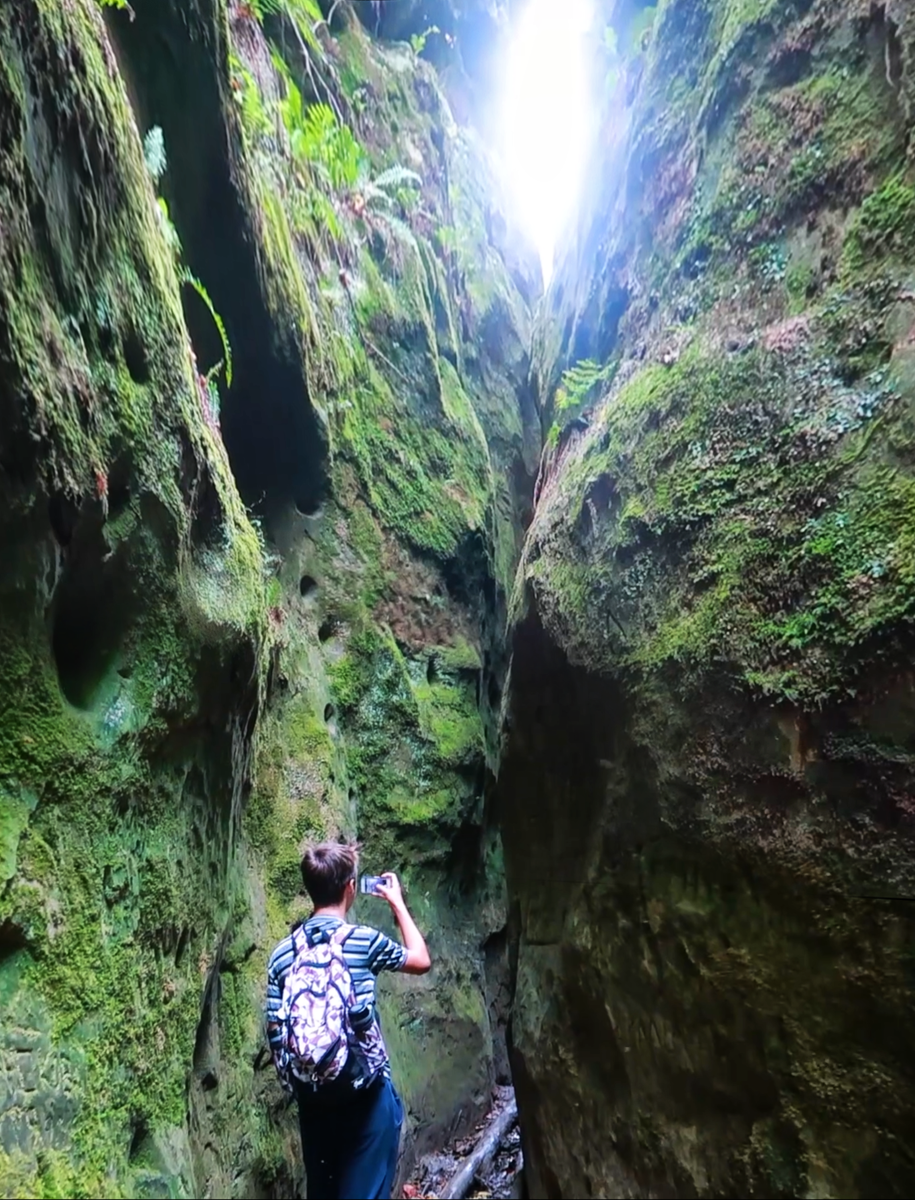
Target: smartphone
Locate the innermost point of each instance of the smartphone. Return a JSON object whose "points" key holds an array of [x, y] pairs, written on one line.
{"points": [[368, 884]]}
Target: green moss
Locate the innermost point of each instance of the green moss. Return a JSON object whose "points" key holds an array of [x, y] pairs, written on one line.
{"points": [[427, 483], [120, 830], [235, 1013], [799, 283], [351, 674], [406, 740], [366, 539], [884, 227], [306, 735], [54, 1177], [783, 147], [450, 717], [714, 512], [293, 799], [460, 656], [119, 827]]}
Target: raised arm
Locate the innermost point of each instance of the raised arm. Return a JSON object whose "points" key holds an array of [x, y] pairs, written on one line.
{"points": [[418, 961]]}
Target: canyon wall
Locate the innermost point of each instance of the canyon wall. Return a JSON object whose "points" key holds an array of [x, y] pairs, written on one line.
{"points": [[707, 774], [242, 605]]}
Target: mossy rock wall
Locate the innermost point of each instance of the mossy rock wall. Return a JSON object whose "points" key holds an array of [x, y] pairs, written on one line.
{"points": [[707, 747], [132, 623], [390, 595], [226, 628]]}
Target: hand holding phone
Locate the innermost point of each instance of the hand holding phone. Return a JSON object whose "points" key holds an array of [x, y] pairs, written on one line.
{"points": [[369, 884], [389, 889]]}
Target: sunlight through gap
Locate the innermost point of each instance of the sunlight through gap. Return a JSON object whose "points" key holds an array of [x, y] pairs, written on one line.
{"points": [[546, 116]]}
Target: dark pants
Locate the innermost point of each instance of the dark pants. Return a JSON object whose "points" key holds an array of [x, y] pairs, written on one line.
{"points": [[351, 1151]]}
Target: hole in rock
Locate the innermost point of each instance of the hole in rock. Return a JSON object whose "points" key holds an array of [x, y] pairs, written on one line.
{"points": [[135, 357], [308, 586], [327, 629], [12, 940], [119, 493], [789, 67], [94, 607], [431, 670], [307, 508], [272, 435], [329, 712], [182, 945], [63, 513], [140, 1142]]}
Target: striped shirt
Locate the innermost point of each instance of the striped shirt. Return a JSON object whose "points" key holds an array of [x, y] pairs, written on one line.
{"points": [[367, 952]]}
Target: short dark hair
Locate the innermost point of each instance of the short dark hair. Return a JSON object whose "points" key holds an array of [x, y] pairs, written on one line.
{"points": [[326, 870]]}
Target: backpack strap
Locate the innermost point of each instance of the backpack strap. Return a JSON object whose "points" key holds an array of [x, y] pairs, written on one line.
{"points": [[317, 937]]}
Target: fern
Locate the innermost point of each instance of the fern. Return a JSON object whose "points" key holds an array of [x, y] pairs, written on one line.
{"points": [[400, 228], [185, 277], [323, 139], [392, 179], [578, 385], [318, 137], [254, 116], [154, 153]]}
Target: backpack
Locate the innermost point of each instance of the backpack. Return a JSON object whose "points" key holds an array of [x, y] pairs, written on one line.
{"points": [[331, 1045]]}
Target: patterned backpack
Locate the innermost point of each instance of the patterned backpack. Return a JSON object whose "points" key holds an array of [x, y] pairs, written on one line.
{"points": [[330, 1043]]}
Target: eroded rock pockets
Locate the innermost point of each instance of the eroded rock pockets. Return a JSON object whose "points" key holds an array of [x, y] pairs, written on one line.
{"points": [[275, 441], [380, 427], [130, 689]]}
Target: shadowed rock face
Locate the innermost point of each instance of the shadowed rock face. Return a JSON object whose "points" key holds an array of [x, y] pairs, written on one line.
{"points": [[706, 774]]}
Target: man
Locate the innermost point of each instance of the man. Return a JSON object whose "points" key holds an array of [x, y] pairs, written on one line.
{"points": [[350, 1151]]}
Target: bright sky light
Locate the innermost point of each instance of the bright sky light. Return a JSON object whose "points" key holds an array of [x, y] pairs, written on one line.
{"points": [[546, 117]]}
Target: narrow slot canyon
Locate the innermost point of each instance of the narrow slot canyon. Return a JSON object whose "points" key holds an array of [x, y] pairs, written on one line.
{"points": [[480, 431]]}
